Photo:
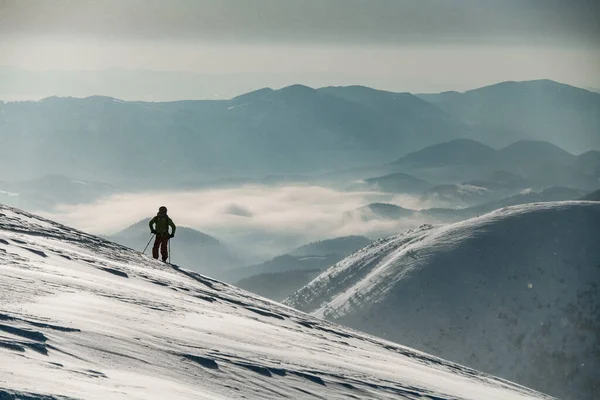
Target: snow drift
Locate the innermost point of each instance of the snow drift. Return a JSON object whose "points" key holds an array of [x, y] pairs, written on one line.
{"points": [[514, 293], [81, 317]]}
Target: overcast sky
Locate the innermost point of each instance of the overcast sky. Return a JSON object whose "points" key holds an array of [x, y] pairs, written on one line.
{"points": [[226, 47]]}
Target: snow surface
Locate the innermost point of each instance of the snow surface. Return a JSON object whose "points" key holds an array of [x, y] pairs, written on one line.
{"points": [[81, 317], [514, 293]]}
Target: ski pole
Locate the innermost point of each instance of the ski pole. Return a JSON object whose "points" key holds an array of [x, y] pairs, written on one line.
{"points": [[148, 244], [169, 250]]}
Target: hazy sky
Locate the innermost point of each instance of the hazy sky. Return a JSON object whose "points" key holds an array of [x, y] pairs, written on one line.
{"points": [[157, 49]]}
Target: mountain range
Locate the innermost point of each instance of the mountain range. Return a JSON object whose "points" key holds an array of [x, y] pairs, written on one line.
{"points": [[296, 129]]}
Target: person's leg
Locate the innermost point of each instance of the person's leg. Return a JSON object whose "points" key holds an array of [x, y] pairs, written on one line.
{"points": [[164, 249], [155, 247]]}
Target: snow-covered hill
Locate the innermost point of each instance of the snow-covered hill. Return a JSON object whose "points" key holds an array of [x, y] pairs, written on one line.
{"points": [[514, 293], [83, 318]]}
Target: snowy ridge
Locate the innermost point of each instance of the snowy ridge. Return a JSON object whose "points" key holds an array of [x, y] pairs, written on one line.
{"points": [[81, 317], [513, 293], [368, 272]]}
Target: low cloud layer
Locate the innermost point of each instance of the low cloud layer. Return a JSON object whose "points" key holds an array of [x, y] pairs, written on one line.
{"points": [[274, 218]]}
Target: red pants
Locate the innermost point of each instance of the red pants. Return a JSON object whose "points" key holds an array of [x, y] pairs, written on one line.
{"points": [[161, 241]]}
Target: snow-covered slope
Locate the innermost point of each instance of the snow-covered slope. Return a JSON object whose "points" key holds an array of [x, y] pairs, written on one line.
{"points": [[514, 293], [81, 317]]}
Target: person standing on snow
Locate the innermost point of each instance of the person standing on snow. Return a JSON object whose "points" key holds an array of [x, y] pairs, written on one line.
{"points": [[161, 230]]}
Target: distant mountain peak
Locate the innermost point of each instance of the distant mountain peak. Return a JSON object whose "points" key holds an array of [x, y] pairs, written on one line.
{"points": [[297, 88], [530, 143], [534, 82], [366, 95], [453, 152], [359, 88], [462, 141], [532, 148], [103, 98], [254, 94]]}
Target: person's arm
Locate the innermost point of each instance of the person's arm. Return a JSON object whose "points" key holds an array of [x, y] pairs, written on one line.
{"points": [[173, 227], [151, 224]]}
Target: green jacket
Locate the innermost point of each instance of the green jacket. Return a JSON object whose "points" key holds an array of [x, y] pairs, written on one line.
{"points": [[162, 224]]}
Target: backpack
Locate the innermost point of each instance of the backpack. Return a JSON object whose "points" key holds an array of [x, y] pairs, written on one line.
{"points": [[163, 222]]}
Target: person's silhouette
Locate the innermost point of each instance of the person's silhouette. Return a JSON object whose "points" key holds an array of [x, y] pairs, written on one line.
{"points": [[159, 226]]}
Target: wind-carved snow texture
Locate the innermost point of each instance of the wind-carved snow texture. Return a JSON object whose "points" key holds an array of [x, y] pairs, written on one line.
{"points": [[81, 317], [514, 293]]}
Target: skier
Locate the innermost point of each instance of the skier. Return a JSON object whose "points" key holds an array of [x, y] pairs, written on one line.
{"points": [[162, 222]]}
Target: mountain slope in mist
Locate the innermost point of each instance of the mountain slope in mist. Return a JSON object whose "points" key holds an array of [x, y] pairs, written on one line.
{"points": [[513, 293], [281, 276], [594, 196], [521, 154], [542, 110], [398, 183], [48, 191], [88, 319], [501, 179], [378, 211], [457, 195], [278, 286], [547, 195], [541, 164], [190, 247], [454, 152], [339, 245]]}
